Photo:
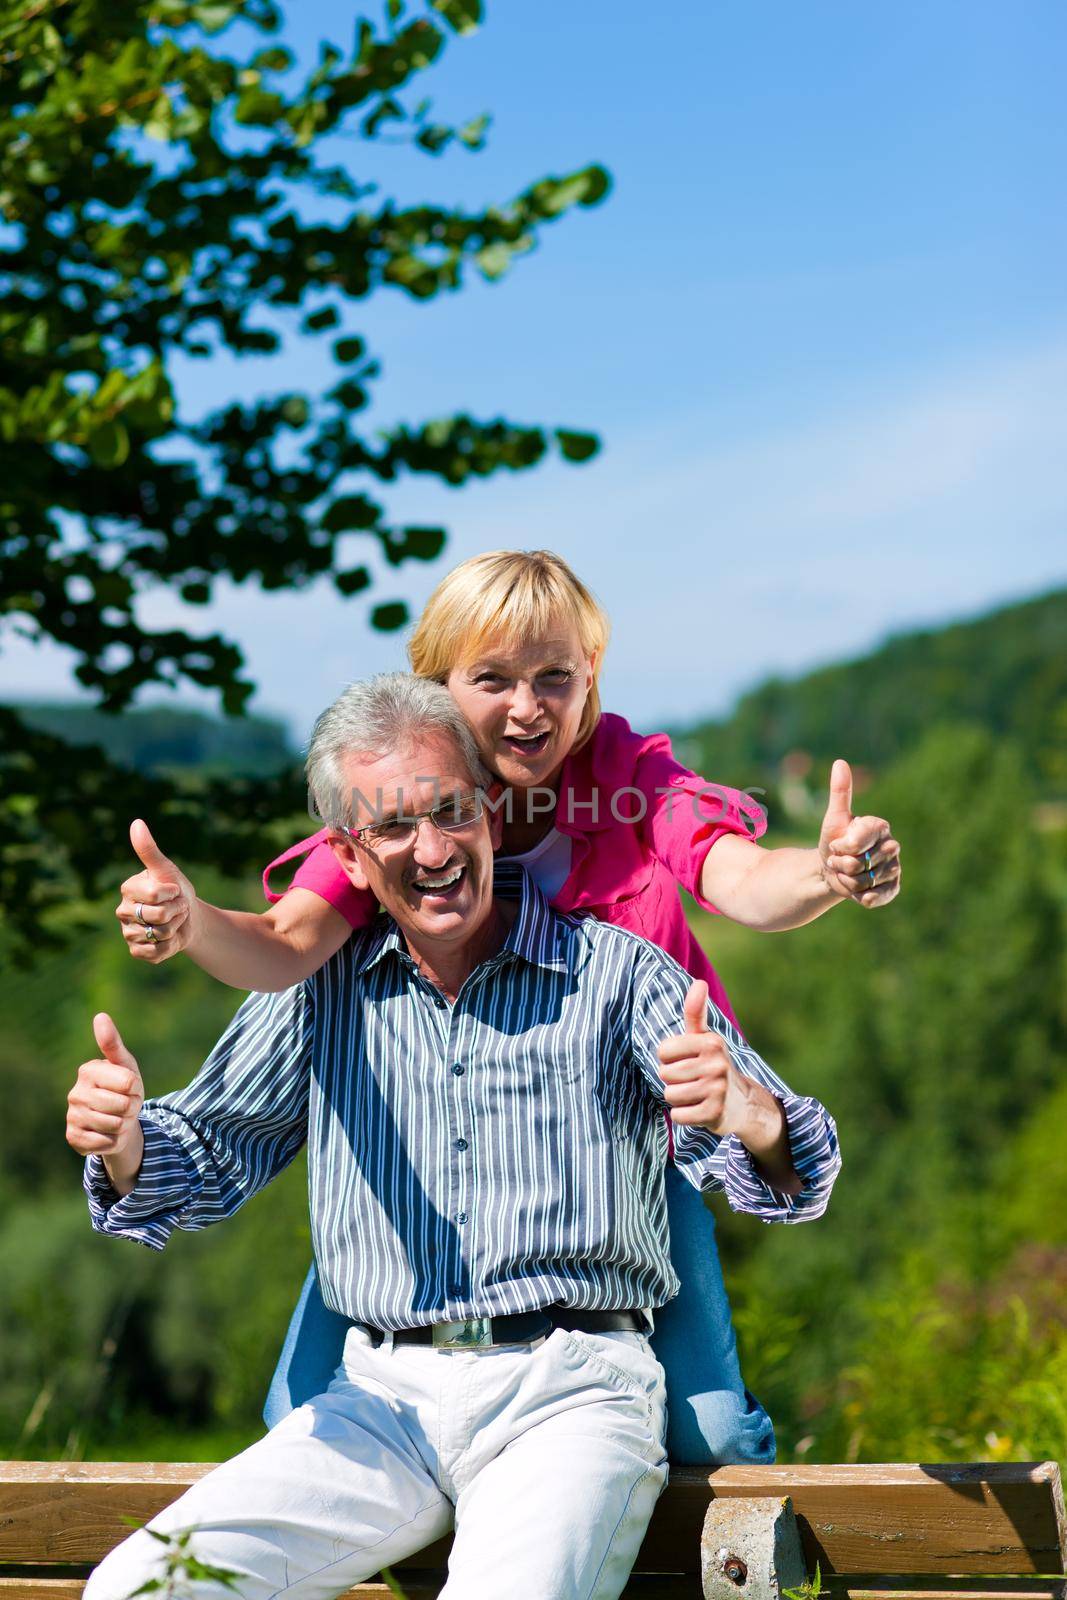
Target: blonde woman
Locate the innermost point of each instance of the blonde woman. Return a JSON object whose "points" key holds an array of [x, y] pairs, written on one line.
{"points": [[607, 823]]}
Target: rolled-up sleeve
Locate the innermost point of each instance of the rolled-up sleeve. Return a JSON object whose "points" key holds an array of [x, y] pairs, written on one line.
{"points": [[711, 1162], [685, 814], [211, 1146]]}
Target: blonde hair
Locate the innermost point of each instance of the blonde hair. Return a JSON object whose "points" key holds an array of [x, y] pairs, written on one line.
{"points": [[512, 596]]}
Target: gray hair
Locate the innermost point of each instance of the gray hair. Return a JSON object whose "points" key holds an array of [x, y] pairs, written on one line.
{"points": [[373, 717]]}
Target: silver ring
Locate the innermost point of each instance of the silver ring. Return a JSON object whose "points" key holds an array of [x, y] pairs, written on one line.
{"points": [[151, 937], [138, 913]]}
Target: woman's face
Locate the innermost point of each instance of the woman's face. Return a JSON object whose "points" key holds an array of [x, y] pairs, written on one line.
{"points": [[525, 704]]}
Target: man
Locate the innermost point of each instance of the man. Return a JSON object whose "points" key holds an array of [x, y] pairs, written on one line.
{"points": [[481, 1085]]}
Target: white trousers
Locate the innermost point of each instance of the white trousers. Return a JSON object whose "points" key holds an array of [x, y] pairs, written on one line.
{"points": [[546, 1458]]}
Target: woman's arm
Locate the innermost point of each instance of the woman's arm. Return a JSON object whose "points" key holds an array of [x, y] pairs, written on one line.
{"points": [[265, 951], [856, 859]]}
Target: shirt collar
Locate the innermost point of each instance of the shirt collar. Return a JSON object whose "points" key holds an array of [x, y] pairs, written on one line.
{"points": [[537, 935]]}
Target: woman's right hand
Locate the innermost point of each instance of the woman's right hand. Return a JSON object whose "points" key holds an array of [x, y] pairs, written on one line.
{"points": [[162, 895]]}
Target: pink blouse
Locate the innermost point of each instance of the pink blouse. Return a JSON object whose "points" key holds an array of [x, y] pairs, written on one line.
{"points": [[640, 824]]}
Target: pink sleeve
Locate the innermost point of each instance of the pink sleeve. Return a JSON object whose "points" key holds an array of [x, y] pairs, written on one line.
{"points": [[686, 815], [321, 872]]}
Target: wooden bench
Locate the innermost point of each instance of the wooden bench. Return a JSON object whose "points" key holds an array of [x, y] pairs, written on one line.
{"points": [[876, 1532]]}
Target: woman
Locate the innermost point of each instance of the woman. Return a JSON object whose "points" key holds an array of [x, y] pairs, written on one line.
{"points": [[607, 823]]}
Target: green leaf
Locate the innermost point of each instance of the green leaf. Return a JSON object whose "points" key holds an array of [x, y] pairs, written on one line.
{"points": [[350, 349], [214, 15], [473, 133], [388, 617], [350, 511], [434, 138], [414, 544], [109, 444], [295, 411], [352, 581], [462, 15], [494, 260], [259, 108], [387, 110], [274, 59], [576, 446], [315, 321]]}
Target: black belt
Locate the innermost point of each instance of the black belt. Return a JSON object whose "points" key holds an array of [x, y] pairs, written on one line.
{"points": [[481, 1333]]}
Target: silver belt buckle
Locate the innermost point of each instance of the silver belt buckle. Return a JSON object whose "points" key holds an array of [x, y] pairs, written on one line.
{"points": [[472, 1333]]}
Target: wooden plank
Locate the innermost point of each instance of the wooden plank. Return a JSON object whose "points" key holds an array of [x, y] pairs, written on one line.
{"points": [[936, 1585], [643, 1588], [1040, 1592], [997, 1518], [1001, 1518], [71, 1589]]}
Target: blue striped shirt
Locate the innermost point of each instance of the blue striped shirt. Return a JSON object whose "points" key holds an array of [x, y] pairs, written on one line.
{"points": [[495, 1155]]}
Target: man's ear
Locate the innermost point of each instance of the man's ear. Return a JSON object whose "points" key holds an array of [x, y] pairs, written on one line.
{"points": [[496, 814], [349, 859]]}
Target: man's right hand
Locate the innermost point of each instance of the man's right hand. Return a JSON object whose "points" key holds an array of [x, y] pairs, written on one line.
{"points": [[166, 900], [104, 1105]]}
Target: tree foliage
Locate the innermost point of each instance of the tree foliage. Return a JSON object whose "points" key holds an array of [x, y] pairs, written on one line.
{"points": [[165, 198]]}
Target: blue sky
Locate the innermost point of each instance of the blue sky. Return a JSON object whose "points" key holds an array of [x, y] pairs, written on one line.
{"points": [[821, 326]]}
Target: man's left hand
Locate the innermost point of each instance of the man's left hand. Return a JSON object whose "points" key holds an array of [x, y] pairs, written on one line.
{"points": [[860, 857], [700, 1082]]}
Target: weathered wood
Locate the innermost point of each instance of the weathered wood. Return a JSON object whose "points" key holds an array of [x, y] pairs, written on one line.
{"points": [[1042, 1592], [1002, 1518], [639, 1588], [996, 1518], [933, 1585], [750, 1549]]}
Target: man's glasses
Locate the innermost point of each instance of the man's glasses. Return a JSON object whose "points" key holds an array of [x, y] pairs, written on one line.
{"points": [[460, 812]]}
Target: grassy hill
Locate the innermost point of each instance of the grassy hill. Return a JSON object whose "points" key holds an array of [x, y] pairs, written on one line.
{"points": [[1005, 671]]}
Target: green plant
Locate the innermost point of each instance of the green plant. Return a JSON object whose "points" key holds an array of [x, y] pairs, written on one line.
{"points": [[180, 1566], [810, 1589]]}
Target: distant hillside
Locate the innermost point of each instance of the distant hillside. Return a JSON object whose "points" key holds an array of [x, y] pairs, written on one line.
{"points": [[160, 739], [1006, 671]]}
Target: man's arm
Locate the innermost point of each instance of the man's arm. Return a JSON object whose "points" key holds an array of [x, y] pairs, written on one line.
{"points": [[207, 1149], [737, 1125]]}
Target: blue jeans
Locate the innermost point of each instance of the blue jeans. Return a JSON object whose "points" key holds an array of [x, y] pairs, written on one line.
{"points": [[711, 1417]]}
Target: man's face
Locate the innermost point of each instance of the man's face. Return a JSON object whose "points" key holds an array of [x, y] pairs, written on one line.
{"points": [[437, 885]]}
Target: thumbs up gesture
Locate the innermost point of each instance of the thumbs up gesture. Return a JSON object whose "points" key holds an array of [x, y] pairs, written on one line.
{"points": [[104, 1104], [860, 857], [157, 904], [700, 1082]]}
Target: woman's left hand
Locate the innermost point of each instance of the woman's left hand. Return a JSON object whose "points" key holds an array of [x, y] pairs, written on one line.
{"points": [[860, 857]]}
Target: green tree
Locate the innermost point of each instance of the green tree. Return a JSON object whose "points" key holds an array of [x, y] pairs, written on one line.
{"points": [[933, 1030], [165, 198]]}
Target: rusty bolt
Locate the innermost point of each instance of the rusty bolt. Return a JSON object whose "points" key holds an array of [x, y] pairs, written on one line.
{"points": [[735, 1569]]}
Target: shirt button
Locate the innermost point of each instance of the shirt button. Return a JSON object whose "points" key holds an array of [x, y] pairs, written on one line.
{"points": [[461, 1144], [462, 1217], [456, 1291], [458, 1070]]}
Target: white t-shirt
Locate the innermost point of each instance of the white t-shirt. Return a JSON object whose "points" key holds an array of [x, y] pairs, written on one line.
{"points": [[548, 863]]}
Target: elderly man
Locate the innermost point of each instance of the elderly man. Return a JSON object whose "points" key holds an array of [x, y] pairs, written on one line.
{"points": [[481, 1084]]}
